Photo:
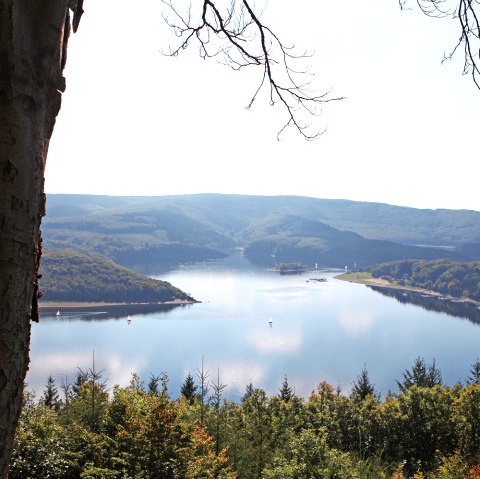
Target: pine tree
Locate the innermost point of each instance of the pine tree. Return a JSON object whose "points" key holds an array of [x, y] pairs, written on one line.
{"points": [[421, 375], [153, 385], [189, 389], [204, 381], [286, 392], [474, 377], [215, 401], [248, 392], [50, 396], [80, 380], [362, 387]]}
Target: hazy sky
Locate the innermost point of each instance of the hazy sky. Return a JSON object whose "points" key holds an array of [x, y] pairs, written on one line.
{"points": [[134, 122]]}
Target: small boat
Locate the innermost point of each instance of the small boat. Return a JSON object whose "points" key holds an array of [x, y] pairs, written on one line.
{"points": [[58, 314], [270, 321], [129, 320]]}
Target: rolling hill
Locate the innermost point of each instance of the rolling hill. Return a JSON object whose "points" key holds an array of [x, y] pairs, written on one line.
{"points": [[153, 233], [72, 275]]}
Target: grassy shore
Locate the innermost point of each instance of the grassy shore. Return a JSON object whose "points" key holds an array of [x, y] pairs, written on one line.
{"points": [[367, 278]]}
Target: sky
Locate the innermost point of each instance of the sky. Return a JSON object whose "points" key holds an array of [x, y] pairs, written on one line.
{"points": [[136, 122]]}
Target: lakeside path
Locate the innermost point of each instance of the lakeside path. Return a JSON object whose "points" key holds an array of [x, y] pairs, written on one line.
{"points": [[369, 280]]}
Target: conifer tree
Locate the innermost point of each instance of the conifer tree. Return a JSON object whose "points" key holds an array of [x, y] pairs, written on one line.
{"points": [[50, 396], [422, 375], [189, 389], [286, 392], [80, 380], [248, 392], [363, 387], [153, 385], [216, 401], [474, 377]]}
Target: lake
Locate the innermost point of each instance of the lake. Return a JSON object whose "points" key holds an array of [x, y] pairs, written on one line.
{"points": [[319, 331]]}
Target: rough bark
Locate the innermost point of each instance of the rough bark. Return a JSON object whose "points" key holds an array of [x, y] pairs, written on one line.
{"points": [[33, 38]]}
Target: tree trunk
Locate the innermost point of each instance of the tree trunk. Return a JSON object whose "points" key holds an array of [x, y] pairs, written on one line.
{"points": [[33, 38]]}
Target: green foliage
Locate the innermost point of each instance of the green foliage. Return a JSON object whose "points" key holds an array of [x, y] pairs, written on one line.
{"points": [[157, 233], [427, 426], [429, 432], [189, 389], [73, 275], [286, 392], [474, 377], [421, 375], [308, 456], [50, 397], [363, 387], [42, 446], [444, 276]]}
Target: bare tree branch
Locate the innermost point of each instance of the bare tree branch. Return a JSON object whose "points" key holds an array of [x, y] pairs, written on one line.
{"points": [[235, 36], [467, 13]]}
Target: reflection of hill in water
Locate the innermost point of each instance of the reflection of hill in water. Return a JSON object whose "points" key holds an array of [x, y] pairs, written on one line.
{"points": [[104, 312], [463, 309]]}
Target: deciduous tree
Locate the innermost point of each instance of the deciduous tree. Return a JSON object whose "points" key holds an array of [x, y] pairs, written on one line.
{"points": [[33, 52]]}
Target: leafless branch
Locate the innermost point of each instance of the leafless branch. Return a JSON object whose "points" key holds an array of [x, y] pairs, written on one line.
{"points": [[467, 13], [235, 36]]}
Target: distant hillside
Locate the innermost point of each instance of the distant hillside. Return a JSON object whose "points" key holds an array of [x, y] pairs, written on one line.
{"points": [[72, 275], [231, 214], [151, 233], [446, 277], [296, 239]]}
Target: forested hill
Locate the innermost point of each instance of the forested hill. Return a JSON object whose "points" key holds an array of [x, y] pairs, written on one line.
{"points": [[159, 232], [72, 275], [231, 214], [446, 277]]}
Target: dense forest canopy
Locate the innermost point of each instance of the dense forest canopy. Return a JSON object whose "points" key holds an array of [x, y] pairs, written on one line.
{"points": [[34, 38], [81, 430], [168, 230], [447, 277], [74, 275]]}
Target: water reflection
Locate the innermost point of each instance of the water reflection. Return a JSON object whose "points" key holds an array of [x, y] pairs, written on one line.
{"points": [[458, 308], [320, 331], [287, 342], [104, 312], [357, 322]]}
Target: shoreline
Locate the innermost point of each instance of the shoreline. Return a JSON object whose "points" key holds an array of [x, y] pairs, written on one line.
{"points": [[98, 304], [368, 280]]}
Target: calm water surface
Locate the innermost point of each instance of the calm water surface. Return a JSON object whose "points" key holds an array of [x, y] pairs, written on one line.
{"points": [[319, 331]]}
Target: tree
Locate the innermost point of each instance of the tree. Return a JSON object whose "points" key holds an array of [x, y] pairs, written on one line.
{"points": [[362, 386], [421, 375], [202, 460], [467, 15], [216, 402], [189, 389], [34, 39], [203, 378], [153, 384], [426, 426], [50, 397], [285, 392], [225, 31], [474, 377]]}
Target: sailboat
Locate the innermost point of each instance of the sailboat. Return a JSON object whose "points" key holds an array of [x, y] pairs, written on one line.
{"points": [[58, 313]]}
